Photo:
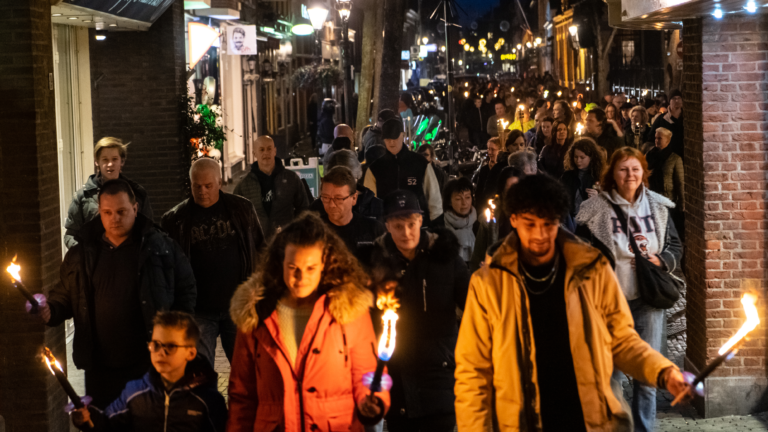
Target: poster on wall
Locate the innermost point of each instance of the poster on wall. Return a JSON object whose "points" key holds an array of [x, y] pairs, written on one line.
{"points": [[241, 40], [140, 10]]}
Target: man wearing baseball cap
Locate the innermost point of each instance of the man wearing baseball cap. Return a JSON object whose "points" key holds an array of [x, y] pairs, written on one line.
{"points": [[402, 169], [432, 280]]}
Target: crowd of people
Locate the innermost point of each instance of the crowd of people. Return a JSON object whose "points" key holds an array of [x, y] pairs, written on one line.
{"points": [[521, 298]]}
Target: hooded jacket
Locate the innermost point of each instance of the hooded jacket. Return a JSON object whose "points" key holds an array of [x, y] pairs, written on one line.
{"points": [[193, 404], [496, 381], [290, 197], [165, 282], [267, 393], [85, 206], [176, 222], [430, 288], [594, 225]]}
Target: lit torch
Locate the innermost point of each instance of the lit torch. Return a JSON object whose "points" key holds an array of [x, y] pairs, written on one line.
{"points": [[502, 133], [490, 218], [14, 269], [579, 129], [386, 301], [55, 368], [731, 347]]}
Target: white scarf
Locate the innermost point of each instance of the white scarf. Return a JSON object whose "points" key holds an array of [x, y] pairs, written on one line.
{"points": [[462, 227]]}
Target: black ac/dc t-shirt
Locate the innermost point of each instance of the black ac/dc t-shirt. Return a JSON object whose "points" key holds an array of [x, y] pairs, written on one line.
{"points": [[215, 257], [560, 404]]}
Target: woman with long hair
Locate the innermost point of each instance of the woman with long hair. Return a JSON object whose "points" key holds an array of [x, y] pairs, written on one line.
{"points": [[304, 338], [552, 156], [614, 119], [647, 216], [584, 164]]}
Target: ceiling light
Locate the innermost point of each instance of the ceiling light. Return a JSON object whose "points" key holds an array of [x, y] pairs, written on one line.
{"points": [[113, 25], [100, 37], [56, 14], [86, 21], [751, 7], [72, 18], [718, 13]]}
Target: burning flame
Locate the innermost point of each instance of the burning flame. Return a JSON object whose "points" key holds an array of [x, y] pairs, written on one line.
{"points": [[504, 124], [51, 361], [546, 93], [521, 107], [387, 302], [574, 104], [748, 300], [559, 94], [13, 270], [488, 215], [579, 128]]}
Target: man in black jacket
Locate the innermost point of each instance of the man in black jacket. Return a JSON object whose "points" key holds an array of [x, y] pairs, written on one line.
{"points": [[111, 302], [401, 168], [673, 121], [221, 235], [432, 281], [338, 194]]}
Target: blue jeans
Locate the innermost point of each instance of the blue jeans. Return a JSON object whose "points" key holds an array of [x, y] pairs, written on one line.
{"points": [[649, 324], [211, 327]]}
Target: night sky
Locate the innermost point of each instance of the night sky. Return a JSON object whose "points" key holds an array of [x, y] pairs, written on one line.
{"points": [[473, 8]]}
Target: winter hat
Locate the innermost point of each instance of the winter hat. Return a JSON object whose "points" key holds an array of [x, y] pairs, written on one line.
{"points": [[391, 129], [675, 93]]}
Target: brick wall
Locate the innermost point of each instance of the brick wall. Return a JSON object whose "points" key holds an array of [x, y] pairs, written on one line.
{"points": [[30, 399], [726, 123], [140, 78]]}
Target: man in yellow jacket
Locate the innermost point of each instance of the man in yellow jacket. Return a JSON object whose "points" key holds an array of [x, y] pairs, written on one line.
{"points": [[544, 325]]}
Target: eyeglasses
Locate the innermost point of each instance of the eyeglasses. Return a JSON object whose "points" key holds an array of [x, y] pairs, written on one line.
{"points": [[337, 201], [170, 349]]}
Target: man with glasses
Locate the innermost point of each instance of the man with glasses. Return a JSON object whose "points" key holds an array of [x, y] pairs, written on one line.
{"points": [[113, 282], [338, 194]]}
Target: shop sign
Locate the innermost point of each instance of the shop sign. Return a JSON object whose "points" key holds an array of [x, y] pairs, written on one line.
{"points": [[140, 10], [241, 40]]}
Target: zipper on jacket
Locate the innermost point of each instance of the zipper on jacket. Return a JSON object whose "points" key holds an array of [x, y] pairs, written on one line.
{"points": [[424, 292], [299, 384], [167, 405]]}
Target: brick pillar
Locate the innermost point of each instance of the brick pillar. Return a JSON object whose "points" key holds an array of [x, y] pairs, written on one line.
{"points": [[30, 398], [724, 90], [138, 78]]}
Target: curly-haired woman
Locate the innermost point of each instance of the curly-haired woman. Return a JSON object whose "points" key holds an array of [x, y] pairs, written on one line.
{"points": [[584, 166], [305, 338]]}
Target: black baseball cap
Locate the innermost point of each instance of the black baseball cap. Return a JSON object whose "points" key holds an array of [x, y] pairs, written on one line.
{"points": [[386, 114], [392, 128], [401, 203], [675, 93]]}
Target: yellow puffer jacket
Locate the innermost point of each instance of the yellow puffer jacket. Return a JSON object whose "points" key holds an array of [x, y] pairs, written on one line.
{"points": [[496, 385]]}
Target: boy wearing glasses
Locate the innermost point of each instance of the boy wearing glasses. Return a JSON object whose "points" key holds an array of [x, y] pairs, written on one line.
{"points": [[338, 193], [179, 391]]}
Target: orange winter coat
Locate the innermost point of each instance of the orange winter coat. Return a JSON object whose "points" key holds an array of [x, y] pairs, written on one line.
{"points": [[267, 393], [496, 382]]}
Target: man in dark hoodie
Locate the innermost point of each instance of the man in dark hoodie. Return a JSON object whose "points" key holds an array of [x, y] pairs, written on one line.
{"points": [[221, 235], [179, 391], [373, 136], [277, 193], [109, 156], [432, 281], [121, 272]]}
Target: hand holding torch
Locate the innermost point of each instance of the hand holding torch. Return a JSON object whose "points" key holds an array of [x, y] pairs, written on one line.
{"points": [[55, 368], [728, 350], [386, 301]]}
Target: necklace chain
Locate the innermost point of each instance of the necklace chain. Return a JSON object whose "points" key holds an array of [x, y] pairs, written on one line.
{"points": [[549, 277]]}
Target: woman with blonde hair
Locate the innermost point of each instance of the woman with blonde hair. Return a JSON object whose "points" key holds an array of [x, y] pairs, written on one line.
{"points": [[638, 131], [626, 201], [584, 164]]}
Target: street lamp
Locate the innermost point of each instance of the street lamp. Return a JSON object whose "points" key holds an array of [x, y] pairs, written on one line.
{"points": [[425, 40], [318, 13], [345, 10]]}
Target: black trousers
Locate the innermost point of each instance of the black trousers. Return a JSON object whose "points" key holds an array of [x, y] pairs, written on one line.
{"points": [[105, 384], [444, 422]]}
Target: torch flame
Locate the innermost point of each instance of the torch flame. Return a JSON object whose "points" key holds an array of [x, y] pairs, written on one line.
{"points": [[13, 270], [50, 360], [748, 300], [574, 104], [488, 215], [504, 124], [579, 128], [387, 302]]}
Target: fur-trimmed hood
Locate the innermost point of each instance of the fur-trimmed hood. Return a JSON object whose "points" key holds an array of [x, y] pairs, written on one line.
{"points": [[253, 302], [595, 213]]}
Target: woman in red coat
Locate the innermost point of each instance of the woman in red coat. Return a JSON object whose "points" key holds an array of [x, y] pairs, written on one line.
{"points": [[305, 338]]}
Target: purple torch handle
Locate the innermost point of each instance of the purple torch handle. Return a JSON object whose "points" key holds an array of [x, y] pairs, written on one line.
{"points": [[376, 383], [27, 295]]}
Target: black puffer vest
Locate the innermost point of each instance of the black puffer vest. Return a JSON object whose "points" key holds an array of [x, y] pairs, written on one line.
{"points": [[405, 171]]}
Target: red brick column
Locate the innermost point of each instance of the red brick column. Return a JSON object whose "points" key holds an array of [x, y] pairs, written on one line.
{"points": [[724, 89], [30, 399]]}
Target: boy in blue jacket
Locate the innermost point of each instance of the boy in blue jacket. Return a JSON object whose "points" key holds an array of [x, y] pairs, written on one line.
{"points": [[177, 394]]}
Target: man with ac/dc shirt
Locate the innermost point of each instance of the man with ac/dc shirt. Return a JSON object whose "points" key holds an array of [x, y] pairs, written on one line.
{"points": [[338, 193], [221, 235]]}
